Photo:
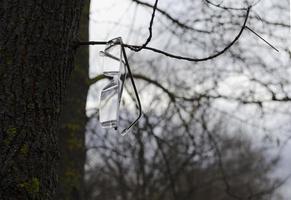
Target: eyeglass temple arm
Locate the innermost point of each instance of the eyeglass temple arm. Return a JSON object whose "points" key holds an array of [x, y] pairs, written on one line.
{"points": [[124, 132]]}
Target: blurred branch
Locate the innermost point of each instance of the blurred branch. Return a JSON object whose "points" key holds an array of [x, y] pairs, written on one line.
{"points": [[231, 8], [223, 7], [213, 141], [199, 96]]}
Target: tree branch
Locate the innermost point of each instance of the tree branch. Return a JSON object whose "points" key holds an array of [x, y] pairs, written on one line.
{"points": [[262, 39], [168, 16], [138, 48], [144, 46]]}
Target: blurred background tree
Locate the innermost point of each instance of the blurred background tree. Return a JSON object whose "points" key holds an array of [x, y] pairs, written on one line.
{"points": [[199, 159]]}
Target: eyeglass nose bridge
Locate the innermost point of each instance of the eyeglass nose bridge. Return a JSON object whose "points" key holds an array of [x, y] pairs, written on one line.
{"points": [[113, 42]]}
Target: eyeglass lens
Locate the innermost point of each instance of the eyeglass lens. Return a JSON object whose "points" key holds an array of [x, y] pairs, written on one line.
{"points": [[109, 103], [110, 94]]}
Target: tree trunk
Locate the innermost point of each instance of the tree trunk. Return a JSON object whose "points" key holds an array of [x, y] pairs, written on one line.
{"points": [[73, 122], [36, 59]]}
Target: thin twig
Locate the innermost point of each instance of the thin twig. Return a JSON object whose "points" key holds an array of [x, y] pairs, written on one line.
{"points": [[223, 7], [262, 38], [138, 48], [135, 47], [199, 59], [92, 43], [169, 17]]}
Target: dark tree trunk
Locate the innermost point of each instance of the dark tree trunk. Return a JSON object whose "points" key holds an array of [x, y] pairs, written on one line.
{"points": [[73, 122], [36, 59]]}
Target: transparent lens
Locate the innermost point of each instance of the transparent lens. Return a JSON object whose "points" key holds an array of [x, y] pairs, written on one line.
{"points": [[111, 60], [111, 66], [109, 105], [114, 68]]}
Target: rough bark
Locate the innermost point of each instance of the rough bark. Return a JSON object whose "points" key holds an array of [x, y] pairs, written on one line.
{"points": [[36, 59], [73, 122]]}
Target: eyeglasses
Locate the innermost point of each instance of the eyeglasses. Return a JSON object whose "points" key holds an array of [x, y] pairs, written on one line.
{"points": [[115, 68]]}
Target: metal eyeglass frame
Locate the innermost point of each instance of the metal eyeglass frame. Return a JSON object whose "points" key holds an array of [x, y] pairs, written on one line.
{"points": [[111, 43]]}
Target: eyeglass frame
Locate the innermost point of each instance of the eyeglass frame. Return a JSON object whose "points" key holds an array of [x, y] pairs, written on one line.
{"points": [[118, 41]]}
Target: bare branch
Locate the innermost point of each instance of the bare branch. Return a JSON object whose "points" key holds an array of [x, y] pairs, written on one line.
{"points": [[262, 39], [223, 7], [138, 48], [168, 16]]}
